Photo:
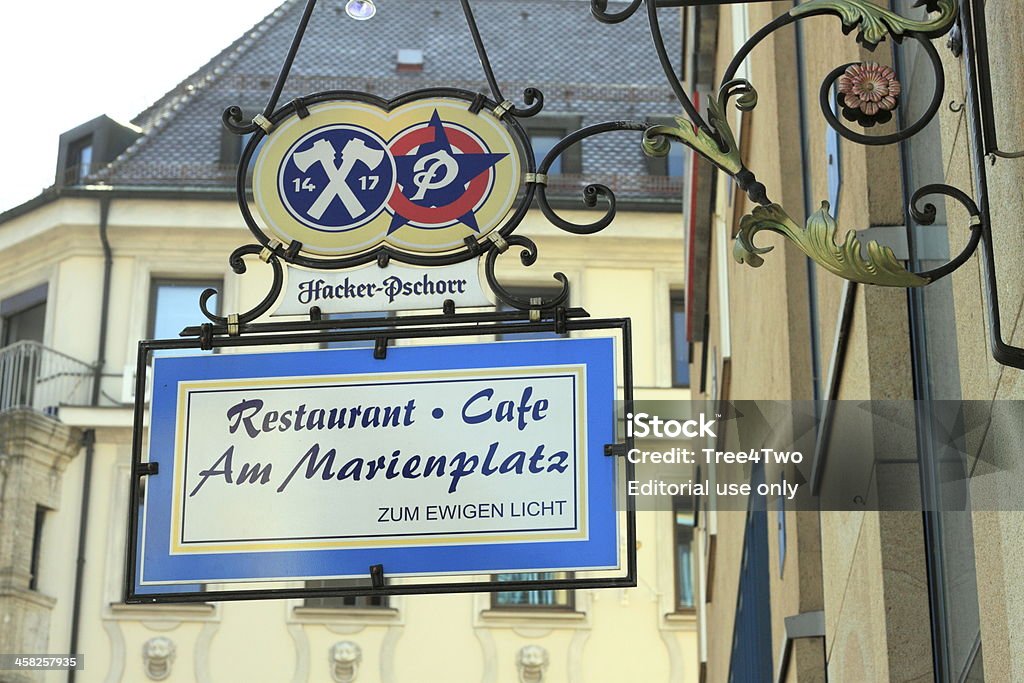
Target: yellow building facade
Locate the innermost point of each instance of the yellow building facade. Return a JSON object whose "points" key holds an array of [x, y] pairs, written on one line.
{"points": [[134, 227]]}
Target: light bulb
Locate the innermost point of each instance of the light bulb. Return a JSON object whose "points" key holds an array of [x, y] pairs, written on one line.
{"points": [[360, 10]]}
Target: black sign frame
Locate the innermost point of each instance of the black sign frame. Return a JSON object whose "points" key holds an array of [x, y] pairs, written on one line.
{"points": [[380, 331]]}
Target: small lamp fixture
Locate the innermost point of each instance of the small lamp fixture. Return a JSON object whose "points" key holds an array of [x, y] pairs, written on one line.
{"points": [[360, 10]]}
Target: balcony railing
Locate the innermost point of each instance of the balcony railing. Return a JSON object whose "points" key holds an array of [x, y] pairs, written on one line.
{"points": [[38, 378]]}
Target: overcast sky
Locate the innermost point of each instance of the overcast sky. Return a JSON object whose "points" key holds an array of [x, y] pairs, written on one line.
{"points": [[64, 62]]}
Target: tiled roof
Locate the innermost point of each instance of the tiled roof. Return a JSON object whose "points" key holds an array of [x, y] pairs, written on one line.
{"points": [[586, 68]]}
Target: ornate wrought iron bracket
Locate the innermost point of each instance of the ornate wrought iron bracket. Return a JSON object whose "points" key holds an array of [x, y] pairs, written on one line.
{"points": [[867, 94]]}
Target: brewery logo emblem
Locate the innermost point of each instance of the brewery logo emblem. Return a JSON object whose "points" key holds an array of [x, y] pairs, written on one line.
{"points": [[440, 183], [421, 178], [336, 178]]}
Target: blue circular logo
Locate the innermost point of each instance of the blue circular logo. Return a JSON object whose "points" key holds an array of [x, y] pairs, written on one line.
{"points": [[336, 178]]}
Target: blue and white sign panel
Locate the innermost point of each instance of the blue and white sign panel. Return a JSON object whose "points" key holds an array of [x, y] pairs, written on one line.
{"points": [[456, 459]]}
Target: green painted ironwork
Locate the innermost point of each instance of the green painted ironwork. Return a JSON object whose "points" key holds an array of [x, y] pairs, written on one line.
{"points": [[724, 153], [718, 145], [874, 23], [817, 241]]}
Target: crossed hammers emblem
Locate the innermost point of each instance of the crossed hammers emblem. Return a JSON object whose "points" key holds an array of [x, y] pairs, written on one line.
{"points": [[322, 152]]}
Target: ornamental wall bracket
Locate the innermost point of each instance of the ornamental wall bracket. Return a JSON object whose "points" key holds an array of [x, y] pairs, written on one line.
{"points": [[372, 223], [866, 93], [817, 241]]}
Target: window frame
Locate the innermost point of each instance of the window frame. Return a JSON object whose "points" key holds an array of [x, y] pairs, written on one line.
{"points": [[20, 303], [38, 530], [156, 282], [73, 174], [570, 595], [558, 125], [677, 604], [360, 602], [678, 298], [658, 166]]}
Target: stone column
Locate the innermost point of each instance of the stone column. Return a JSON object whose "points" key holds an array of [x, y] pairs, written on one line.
{"points": [[34, 452]]}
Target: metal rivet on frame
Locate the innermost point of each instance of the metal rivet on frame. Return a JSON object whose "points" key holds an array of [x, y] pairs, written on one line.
{"points": [[503, 108], [499, 241], [263, 122], [269, 250]]}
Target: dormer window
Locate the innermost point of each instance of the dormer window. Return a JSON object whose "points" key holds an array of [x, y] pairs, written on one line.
{"points": [[410, 60], [79, 163]]}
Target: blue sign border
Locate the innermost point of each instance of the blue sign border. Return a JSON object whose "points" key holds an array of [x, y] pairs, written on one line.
{"points": [[599, 551]]}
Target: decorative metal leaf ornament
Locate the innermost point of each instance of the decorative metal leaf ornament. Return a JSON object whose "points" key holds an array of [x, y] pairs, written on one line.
{"points": [[875, 23], [817, 240], [725, 153]]}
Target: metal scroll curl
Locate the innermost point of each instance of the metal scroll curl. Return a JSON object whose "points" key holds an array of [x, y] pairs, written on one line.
{"points": [[527, 256], [719, 146], [599, 8], [237, 263], [235, 122], [532, 97], [847, 260], [591, 192], [925, 215], [874, 23]]}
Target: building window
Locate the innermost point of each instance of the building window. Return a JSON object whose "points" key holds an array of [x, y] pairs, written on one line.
{"points": [[543, 142], [533, 599], [37, 542], [682, 530], [409, 60], [174, 305], [674, 163], [751, 658], [22, 319], [79, 161], [344, 601], [680, 346], [545, 132], [23, 316]]}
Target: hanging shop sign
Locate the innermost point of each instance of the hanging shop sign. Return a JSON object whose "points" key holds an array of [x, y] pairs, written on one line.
{"points": [[474, 458], [371, 288], [349, 176]]}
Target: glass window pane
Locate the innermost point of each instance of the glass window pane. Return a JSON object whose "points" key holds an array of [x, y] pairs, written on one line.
{"points": [[26, 325], [532, 598], [344, 601], [683, 524], [175, 307], [675, 162], [542, 144], [680, 347], [84, 161]]}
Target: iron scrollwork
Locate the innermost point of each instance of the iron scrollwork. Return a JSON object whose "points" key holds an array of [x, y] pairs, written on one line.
{"points": [[712, 138], [869, 93], [490, 247]]}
